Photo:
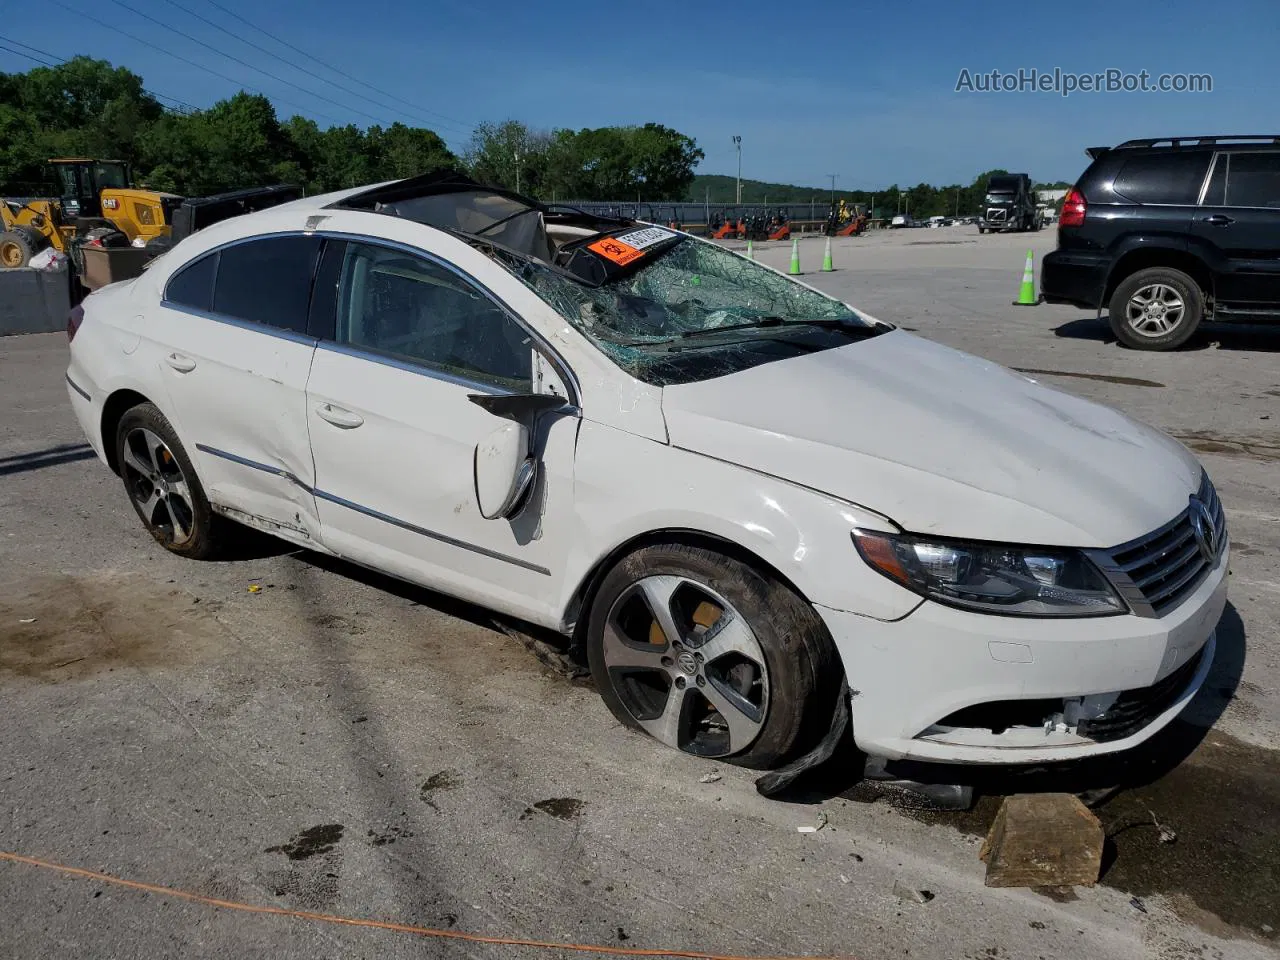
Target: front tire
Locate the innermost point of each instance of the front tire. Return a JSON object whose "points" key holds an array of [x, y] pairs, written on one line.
{"points": [[17, 247], [710, 656], [163, 486], [1158, 308]]}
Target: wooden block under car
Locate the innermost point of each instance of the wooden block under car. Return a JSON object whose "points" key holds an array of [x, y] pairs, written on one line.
{"points": [[1043, 840]]}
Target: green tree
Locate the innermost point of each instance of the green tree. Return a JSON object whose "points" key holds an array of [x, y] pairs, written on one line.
{"points": [[401, 151], [510, 154], [82, 107]]}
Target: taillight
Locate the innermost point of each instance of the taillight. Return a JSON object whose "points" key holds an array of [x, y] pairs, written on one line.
{"points": [[74, 318], [1073, 209]]}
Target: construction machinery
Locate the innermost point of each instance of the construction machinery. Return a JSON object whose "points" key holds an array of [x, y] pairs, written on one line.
{"points": [[93, 195], [109, 228]]}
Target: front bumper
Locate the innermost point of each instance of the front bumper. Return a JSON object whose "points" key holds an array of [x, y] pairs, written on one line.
{"points": [[910, 674], [1079, 279]]}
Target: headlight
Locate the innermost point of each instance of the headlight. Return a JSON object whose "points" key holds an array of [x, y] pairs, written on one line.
{"points": [[992, 578]]}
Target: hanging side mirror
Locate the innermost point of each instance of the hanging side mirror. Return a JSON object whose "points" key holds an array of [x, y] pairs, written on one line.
{"points": [[505, 466]]}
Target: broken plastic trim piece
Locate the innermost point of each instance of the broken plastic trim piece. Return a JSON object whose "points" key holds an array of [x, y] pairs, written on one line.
{"points": [[776, 781]]}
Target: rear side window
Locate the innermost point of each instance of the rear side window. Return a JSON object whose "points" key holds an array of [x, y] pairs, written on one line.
{"points": [[1245, 180], [192, 286], [268, 281], [1162, 178]]}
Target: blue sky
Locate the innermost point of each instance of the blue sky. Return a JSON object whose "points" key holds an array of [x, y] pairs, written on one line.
{"points": [[861, 90]]}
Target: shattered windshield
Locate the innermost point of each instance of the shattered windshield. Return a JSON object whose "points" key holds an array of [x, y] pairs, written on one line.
{"points": [[696, 311]]}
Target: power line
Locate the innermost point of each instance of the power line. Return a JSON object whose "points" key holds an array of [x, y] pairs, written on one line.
{"points": [[26, 55], [299, 67], [243, 63], [191, 63], [341, 73], [60, 60]]}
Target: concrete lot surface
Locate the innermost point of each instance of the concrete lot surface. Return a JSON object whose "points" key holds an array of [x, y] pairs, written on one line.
{"points": [[341, 743]]}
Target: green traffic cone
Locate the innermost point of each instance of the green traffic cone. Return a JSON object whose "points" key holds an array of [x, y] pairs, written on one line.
{"points": [[826, 258], [795, 257], [751, 255], [1027, 294]]}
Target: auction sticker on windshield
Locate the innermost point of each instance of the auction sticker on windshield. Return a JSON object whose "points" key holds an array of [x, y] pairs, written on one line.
{"points": [[615, 250]]}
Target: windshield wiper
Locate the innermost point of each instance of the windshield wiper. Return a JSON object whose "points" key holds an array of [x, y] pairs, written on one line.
{"points": [[824, 323]]}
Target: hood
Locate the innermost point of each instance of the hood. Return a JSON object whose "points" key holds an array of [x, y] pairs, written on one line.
{"points": [[940, 442]]}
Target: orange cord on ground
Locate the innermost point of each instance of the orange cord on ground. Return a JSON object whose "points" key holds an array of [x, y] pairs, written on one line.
{"points": [[375, 924]]}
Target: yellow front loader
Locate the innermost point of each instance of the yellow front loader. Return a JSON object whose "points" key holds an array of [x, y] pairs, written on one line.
{"points": [[93, 194]]}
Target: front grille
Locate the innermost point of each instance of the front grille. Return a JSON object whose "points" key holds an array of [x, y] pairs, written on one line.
{"points": [[1134, 709], [1156, 572], [997, 213]]}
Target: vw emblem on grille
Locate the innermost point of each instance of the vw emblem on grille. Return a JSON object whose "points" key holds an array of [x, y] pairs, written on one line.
{"points": [[1202, 527]]}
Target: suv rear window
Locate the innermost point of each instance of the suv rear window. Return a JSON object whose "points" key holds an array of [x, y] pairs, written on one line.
{"points": [[1162, 178], [1245, 180]]}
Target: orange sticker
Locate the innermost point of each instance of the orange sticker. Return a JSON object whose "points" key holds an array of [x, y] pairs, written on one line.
{"points": [[615, 250]]}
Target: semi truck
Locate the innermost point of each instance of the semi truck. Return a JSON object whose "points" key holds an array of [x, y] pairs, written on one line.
{"points": [[1010, 205]]}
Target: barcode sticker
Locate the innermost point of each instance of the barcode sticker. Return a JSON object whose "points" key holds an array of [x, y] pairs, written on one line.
{"points": [[646, 237]]}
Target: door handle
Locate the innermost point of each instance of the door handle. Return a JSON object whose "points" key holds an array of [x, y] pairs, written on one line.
{"points": [[1218, 220], [180, 363], [338, 416]]}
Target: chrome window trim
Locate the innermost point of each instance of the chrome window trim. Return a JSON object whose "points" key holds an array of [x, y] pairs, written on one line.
{"points": [[370, 512], [264, 328], [538, 342], [1208, 179], [411, 366]]}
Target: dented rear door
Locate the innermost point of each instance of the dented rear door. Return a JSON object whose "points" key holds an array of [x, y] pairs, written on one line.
{"points": [[236, 369]]}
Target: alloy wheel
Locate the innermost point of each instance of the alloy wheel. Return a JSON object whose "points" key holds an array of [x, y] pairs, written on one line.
{"points": [[157, 485], [1155, 310], [687, 666]]}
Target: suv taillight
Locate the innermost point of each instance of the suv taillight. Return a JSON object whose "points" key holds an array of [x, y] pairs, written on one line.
{"points": [[74, 319], [1073, 209]]}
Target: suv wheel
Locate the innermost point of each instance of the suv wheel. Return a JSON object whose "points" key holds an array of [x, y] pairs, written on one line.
{"points": [[1156, 309]]}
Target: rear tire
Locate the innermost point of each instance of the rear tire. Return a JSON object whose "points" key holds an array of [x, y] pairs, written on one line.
{"points": [[163, 487], [767, 687], [1158, 308]]}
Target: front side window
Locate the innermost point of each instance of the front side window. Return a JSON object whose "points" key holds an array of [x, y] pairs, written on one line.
{"points": [[395, 303], [1245, 180], [267, 281]]}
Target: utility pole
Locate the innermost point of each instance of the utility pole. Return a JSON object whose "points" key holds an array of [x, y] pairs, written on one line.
{"points": [[517, 155], [833, 189], [737, 144], [957, 203]]}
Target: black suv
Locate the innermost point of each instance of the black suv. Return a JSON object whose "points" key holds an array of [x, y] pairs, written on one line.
{"points": [[1168, 232]]}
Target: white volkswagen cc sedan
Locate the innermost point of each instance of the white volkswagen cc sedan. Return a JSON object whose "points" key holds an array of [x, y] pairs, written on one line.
{"points": [[731, 489]]}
